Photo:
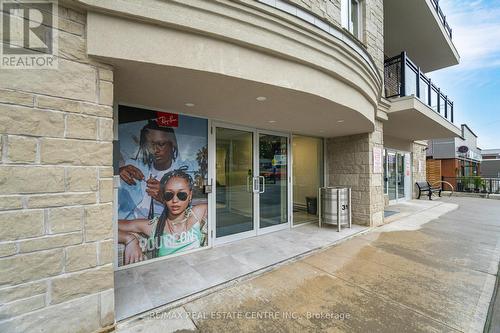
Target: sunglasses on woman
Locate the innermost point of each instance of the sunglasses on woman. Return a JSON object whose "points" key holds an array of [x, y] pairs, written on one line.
{"points": [[182, 196]]}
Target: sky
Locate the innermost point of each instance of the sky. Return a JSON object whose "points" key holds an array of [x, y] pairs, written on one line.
{"points": [[474, 84]]}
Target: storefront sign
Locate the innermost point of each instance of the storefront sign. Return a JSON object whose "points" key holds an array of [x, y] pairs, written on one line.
{"points": [[377, 160], [165, 119], [162, 208]]}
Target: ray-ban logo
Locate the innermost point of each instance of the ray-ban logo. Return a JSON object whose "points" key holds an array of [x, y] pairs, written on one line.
{"points": [[29, 34]]}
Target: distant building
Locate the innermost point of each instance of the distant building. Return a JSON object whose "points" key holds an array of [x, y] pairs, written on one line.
{"points": [[490, 167], [453, 157]]}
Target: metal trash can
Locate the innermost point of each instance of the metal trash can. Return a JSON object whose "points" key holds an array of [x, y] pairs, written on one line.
{"points": [[312, 205], [335, 206]]}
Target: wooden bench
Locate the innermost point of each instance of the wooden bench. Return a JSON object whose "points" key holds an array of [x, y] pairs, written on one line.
{"points": [[426, 187]]}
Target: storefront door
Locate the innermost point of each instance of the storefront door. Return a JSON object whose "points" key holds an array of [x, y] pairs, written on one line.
{"points": [[251, 182], [398, 175]]}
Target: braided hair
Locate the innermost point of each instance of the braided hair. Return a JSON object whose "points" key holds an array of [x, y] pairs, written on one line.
{"points": [[144, 153], [180, 173]]}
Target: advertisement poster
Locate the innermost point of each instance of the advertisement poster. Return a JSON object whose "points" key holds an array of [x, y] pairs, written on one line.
{"points": [[377, 160], [163, 166]]}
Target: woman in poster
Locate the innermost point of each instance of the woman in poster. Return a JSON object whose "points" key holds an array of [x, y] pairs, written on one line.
{"points": [[180, 227]]}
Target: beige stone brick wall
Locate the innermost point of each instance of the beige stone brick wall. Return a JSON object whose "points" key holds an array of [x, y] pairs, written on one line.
{"points": [[326, 9], [374, 32], [418, 154], [56, 248], [350, 163], [373, 27]]}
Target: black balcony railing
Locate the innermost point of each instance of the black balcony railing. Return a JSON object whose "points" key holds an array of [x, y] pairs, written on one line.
{"points": [[472, 184], [403, 78], [442, 17]]}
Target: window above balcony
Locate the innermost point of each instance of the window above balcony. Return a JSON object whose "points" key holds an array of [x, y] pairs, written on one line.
{"points": [[352, 17]]}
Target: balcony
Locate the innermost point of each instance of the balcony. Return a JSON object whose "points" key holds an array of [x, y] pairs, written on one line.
{"points": [[442, 17], [420, 27], [408, 80], [419, 109]]}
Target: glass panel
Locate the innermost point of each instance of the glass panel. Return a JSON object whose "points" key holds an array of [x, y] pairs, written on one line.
{"points": [[434, 100], [442, 105], [234, 171], [307, 177], [391, 175], [424, 91], [410, 81], [401, 176], [273, 172], [385, 171], [355, 18], [167, 150]]}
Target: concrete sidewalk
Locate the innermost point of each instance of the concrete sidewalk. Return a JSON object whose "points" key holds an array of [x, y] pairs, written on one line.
{"points": [[433, 271]]}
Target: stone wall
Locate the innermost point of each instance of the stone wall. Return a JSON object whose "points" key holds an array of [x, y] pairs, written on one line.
{"points": [[418, 154], [374, 32], [326, 9], [373, 27], [350, 163], [56, 247]]}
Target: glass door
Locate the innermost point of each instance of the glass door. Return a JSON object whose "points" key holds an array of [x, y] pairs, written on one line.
{"points": [[392, 175], [273, 181], [251, 182], [397, 175], [401, 176], [234, 168]]}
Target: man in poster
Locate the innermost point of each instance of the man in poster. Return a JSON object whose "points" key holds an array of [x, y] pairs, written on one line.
{"points": [[157, 153]]}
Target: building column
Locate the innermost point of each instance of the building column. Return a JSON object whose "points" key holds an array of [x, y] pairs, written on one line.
{"points": [[419, 165], [56, 191], [350, 164]]}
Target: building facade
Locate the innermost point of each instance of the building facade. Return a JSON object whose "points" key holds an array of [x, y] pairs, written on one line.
{"points": [[454, 158], [490, 167], [234, 113]]}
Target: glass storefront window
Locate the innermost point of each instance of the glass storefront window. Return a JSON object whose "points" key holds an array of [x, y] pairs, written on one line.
{"points": [[163, 166], [307, 177]]}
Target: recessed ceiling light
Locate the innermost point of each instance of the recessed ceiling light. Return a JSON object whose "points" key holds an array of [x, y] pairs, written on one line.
{"points": [[189, 105], [340, 121], [272, 121], [261, 98]]}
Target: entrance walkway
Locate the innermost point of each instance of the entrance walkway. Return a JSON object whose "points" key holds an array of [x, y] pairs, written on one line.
{"points": [[433, 271], [142, 288]]}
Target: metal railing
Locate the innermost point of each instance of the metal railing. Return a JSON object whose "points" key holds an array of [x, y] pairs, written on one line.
{"points": [[442, 17], [472, 184], [403, 78]]}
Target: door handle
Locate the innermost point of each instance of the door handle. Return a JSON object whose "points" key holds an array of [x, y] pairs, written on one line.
{"points": [[255, 185], [263, 184]]}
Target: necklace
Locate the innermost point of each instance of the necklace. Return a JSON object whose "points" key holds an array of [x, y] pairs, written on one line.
{"points": [[178, 221]]}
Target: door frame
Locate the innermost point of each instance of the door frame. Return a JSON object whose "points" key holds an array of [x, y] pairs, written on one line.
{"points": [[407, 179], [256, 231], [289, 201]]}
